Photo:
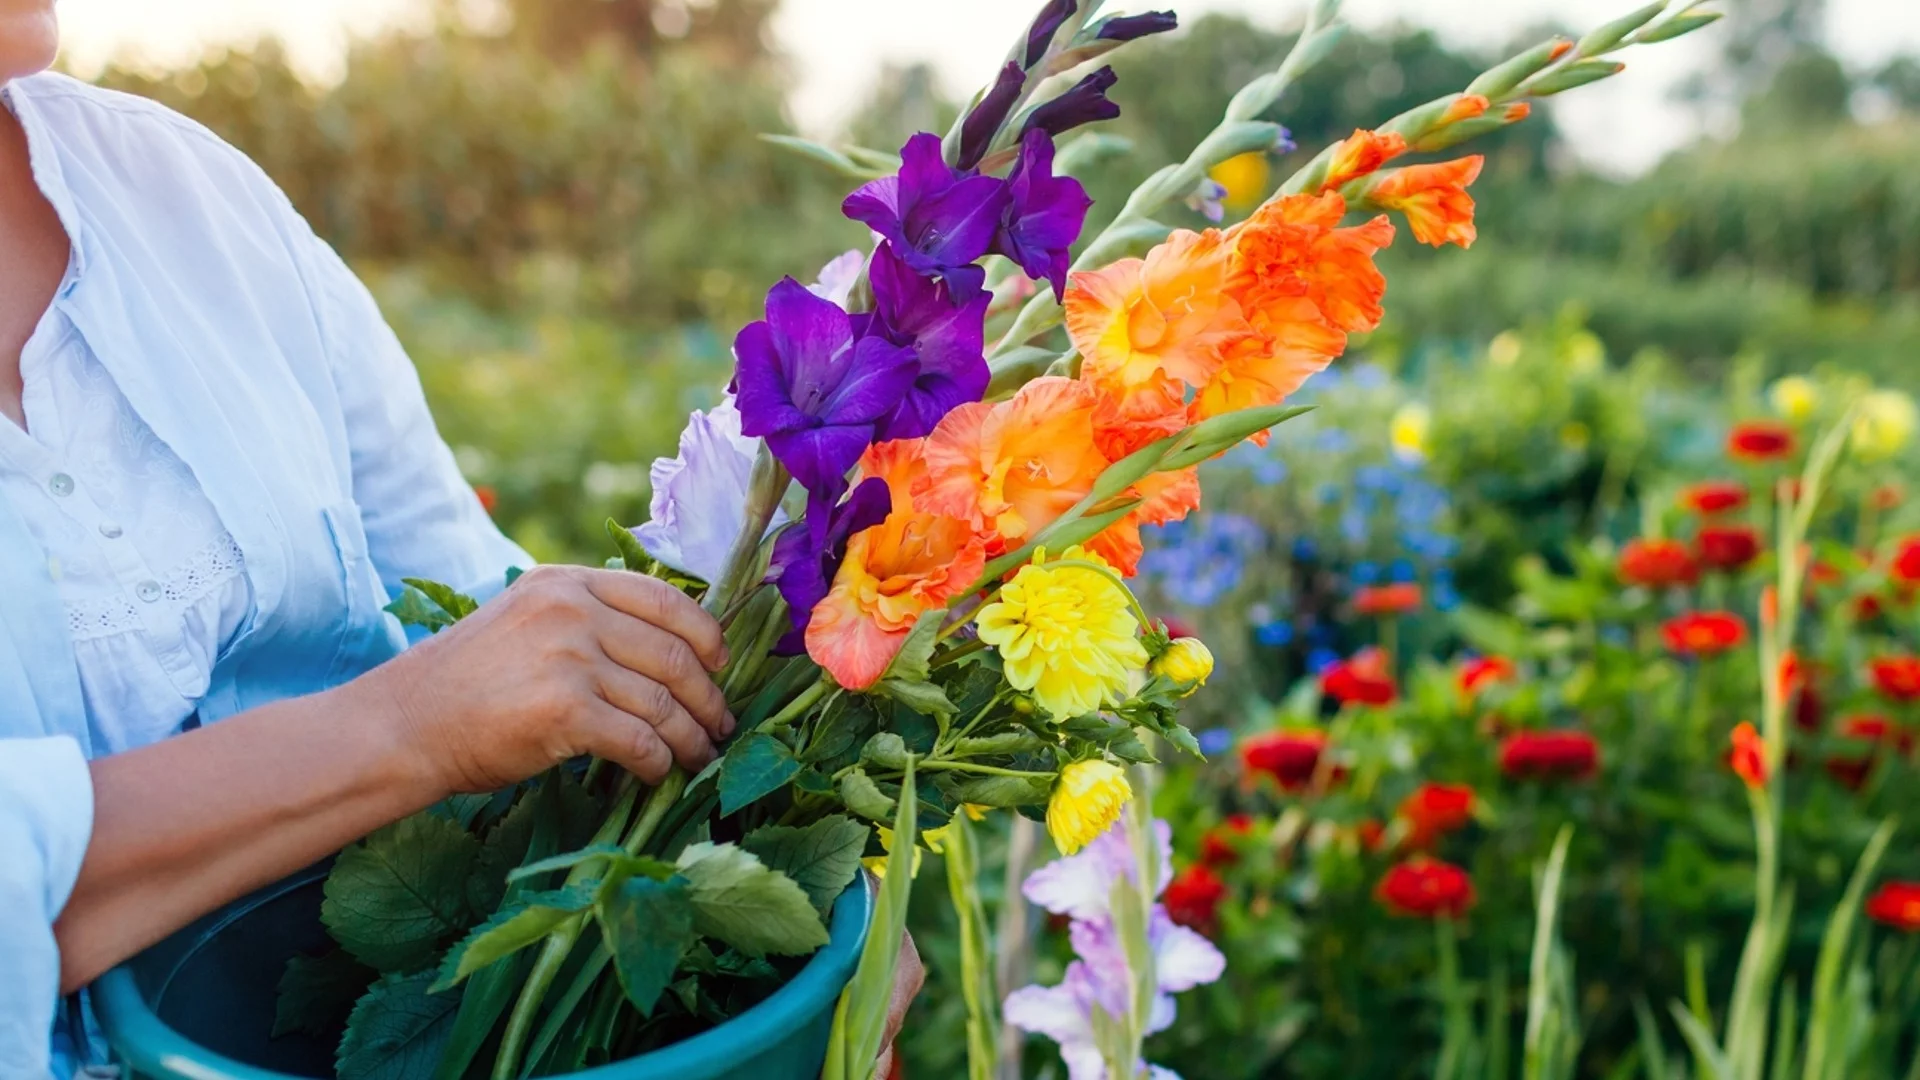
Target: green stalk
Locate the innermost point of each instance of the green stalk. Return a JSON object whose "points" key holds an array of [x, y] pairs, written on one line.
{"points": [[798, 706], [1453, 1000], [976, 950]]}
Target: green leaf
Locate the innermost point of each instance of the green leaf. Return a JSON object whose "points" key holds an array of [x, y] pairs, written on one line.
{"points": [[828, 156], [922, 697], [414, 609], [1674, 27], [396, 1030], [1004, 791], [511, 929], [456, 604], [648, 925], [1182, 739], [613, 854], [859, 1017], [632, 556], [1000, 745], [887, 750], [1714, 1064], [757, 766], [1065, 532], [864, 797], [840, 729], [821, 858], [395, 896], [1222, 433], [737, 899], [910, 663], [317, 992]]}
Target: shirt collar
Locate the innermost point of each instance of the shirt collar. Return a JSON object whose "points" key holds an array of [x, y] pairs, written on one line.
{"points": [[44, 159]]}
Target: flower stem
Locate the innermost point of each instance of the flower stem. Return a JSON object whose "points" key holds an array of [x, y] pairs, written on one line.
{"points": [[764, 490], [799, 706], [968, 766]]}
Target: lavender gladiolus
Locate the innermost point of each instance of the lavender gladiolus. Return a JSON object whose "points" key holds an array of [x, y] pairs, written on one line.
{"points": [[807, 556], [1044, 214], [813, 391], [1099, 986], [948, 340], [986, 118], [699, 498], [1085, 102], [839, 276], [939, 219]]}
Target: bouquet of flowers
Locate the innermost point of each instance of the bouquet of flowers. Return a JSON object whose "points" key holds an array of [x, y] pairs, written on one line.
{"points": [[916, 513]]}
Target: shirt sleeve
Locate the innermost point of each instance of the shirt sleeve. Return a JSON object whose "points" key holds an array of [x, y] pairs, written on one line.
{"points": [[46, 819], [422, 517]]}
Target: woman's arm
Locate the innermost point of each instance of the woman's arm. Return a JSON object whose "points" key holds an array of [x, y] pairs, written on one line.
{"points": [[569, 661]]}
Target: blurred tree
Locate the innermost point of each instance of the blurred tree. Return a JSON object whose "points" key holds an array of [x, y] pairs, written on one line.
{"points": [[1808, 90], [1899, 80], [570, 27], [905, 99]]}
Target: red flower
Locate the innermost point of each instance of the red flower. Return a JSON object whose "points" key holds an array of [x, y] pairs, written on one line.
{"points": [[1905, 567], [1361, 678], [1760, 440], [1807, 708], [1727, 547], [1866, 606], [1397, 599], [1426, 889], [1896, 677], [1657, 564], [1703, 633], [1290, 757], [1220, 845], [1896, 904], [1714, 497], [1549, 755], [1370, 833], [1749, 757], [1484, 670], [1193, 898], [489, 498], [1880, 733], [1433, 810], [1178, 628]]}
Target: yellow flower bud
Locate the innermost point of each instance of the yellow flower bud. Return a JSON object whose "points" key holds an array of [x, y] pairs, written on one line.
{"points": [[1408, 432], [1794, 397], [1187, 661], [1245, 178], [1884, 425], [1086, 801]]}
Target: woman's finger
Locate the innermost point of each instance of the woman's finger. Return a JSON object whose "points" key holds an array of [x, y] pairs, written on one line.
{"points": [[648, 700], [609, 732], [669, 661], [657, 603]]}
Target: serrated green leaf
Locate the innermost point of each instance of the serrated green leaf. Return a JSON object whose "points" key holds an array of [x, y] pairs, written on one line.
{"points": [[739, 900], [511, 929], [396, 1030], [632, 556], [648, 925], [916, 652], [317, 992], [1182, 739], [862, 796], [846, 722], [821, 858], [887, 750], [393, 898], [458, 605], [1004, 791], [756, 766], [921, 697]]}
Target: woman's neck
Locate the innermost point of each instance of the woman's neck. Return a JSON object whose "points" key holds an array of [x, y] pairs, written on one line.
{"points": [[35, 244]]}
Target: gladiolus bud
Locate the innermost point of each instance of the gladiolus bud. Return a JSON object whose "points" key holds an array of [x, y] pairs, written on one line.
{"points": [[1749, 756]]}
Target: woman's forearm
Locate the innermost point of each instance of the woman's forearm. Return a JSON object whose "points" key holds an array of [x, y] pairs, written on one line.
{"points": [[189, 823]]}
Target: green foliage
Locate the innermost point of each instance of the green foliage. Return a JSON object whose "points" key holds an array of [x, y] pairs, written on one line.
{"points": [[741, 901], [396, 1030], [648, 926], [756, 766], [822, 858], [317, 992], [394, 898]]}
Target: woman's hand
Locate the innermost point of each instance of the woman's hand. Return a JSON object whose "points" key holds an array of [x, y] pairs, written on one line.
{"points": [[567, 661]]}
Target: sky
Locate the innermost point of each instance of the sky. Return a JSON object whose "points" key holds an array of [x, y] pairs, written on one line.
{"points": [[837, 47]]}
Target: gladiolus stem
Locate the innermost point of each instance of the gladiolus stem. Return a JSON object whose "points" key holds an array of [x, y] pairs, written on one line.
{"points": [[764, 491], [799, 706], [1452, 1002]]}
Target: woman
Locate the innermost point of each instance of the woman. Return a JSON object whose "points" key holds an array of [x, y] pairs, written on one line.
{"points": [[216, 465]]}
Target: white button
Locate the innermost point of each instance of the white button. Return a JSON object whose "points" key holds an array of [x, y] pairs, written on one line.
{"points": [[147, 591], [60, 484], [109, 530]]}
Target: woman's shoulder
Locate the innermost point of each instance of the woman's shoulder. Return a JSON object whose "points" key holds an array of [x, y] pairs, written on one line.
{"points": [[131, 143]]}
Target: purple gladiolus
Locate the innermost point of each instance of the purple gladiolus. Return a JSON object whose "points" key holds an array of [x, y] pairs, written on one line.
{"points": [[948, 340], [1044, 214], [984, 121], [939, 219], [1099, 986], [1085, 102], [1045, 25], [1130, 27], [699, 498], [807, 556], [813, 391]]}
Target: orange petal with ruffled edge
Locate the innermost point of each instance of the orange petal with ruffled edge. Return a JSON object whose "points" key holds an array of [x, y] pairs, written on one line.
{"points": [[1014, 468], [1141, 322], [1434, 198]]}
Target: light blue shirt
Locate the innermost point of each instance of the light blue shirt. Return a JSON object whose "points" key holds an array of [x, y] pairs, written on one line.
{"points": [[251, 350]]}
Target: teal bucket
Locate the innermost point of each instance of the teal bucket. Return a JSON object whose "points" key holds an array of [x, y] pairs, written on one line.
{"points": [[199, 1005]]}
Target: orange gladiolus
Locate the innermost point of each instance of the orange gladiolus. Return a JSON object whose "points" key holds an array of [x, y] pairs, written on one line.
{"points": [[1465, 107], [1363, 152], [1749, 756], [1434, 198], [1148, 328], [1009, 469], [909, 564]]}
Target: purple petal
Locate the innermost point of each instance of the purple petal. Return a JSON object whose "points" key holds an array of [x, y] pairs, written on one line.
{"points": [[947, 340], [876, 204], [1045, 26], [1083, 103], [760, 384], [819, 457], [1182, 959], [984, 121], [1045, 214], [806, 558], [1130, 27], [956, 226], [1053, 1011], [1097, 943], [871, 384], [810, 335]]}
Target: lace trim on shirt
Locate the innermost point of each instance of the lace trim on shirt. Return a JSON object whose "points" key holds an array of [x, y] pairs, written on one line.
{"points": [[208, 569]]}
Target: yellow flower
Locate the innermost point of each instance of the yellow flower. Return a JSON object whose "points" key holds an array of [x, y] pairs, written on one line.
{"points": [[1067, 634], [1794, 397], [932, 838], [1408, 432], [1187, 661], [1504, 349], [1884, 425], [1086, 802], [1245, 177]]}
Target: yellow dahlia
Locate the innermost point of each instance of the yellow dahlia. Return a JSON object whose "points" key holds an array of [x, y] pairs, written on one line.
{"points": [[1187, 661], [1066, 634], [1086, 801]]}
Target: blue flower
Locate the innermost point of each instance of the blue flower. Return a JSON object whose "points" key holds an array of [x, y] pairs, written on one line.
{"points": [[1215, 741], [1364, 573], [1274, 635], [1321, 659]]}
